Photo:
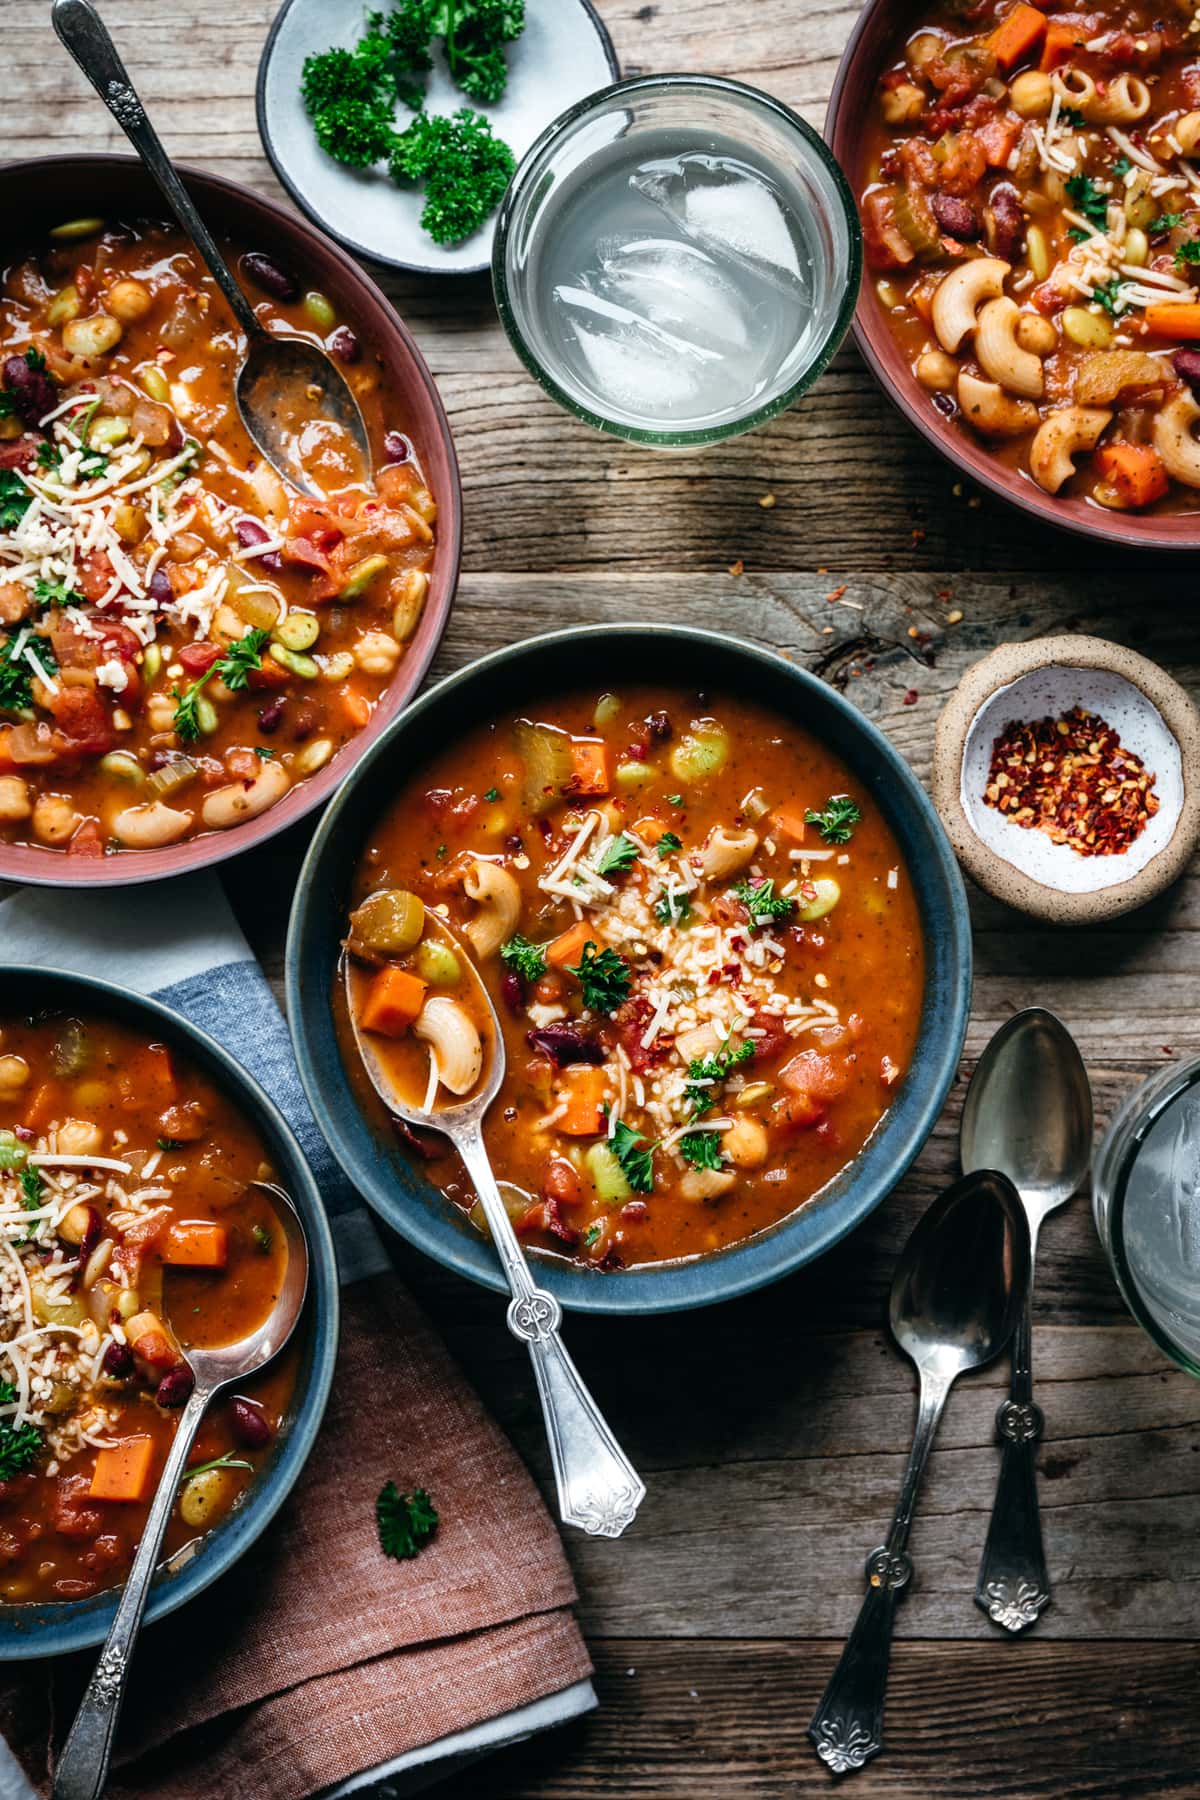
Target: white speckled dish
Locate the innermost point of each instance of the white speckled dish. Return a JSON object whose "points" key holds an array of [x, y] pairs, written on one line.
{"points": [[1155, 720], [563, 54]]}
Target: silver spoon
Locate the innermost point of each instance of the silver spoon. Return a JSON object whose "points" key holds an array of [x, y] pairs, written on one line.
{"points": [[274, 368], [598, 1487], [956, 1295], [1028, 1112], [83, 1766]]}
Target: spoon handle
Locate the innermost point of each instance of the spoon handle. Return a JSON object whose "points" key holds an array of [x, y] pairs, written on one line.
{"points": [[1013, 1586], [82, 30], [82, 1768], [847, 1727], [598, 1487]]}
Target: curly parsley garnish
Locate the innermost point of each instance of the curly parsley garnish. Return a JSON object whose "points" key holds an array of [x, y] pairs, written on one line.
{"points": [[15, 500], [702, 1149], [234, 669], [668, 842], [31, 1189], [526, 959], [165, 1143], [620, 853], [55, 593], [761, 901], [604, 977], [1165, 222], [1108, 296], [635, 1156], [1187, 254], [836, 823], [1089, 200], [672, 909], [705, 1071], [16, 675], [406, 1521], [19, 1444]]}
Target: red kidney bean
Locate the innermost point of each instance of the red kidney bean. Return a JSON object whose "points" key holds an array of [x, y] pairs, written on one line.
{"points": [[955, 217], [33, 392], [160, 590], [946, 404], [271, 715], [510, 989], [175, 1388], [268, 274], [118, 1362], [1006, 229], [249, 1424], [634, 1210], [92, 1232], [345, 345], [1187, 364], [565, 1043], [303, 721], [249, 531], [396, 447], [24, 1134]]}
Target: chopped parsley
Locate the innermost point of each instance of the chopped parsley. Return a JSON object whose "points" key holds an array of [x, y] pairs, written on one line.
{"points": [[836, 824], [243, 656], [31, 1189], [55, 593], [19, 1444], [227, 1461], [702, 1149], [170, 1143], [1089, 200], [7, 404], [406, 1522], [1165, 222], [620, 853], [635, 1156], [762, 902], [262, 1239], [705, 1071], [525, 959], [15, 499], [672, 909], [604, 977], [668, 842], [261, 751], [493, 793], [590, 1236], [1122, 166], [1107, 296], [674, 799], [16, 677], [36, 360], [1188, 253]]}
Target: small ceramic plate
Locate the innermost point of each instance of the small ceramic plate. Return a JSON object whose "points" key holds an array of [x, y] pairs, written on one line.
{"points": [[1155, 721], [563, 54]]}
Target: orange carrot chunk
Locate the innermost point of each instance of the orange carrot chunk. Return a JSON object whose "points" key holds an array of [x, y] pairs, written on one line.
{"points": [[568, 946], [1136, 471], [1018, 35], [789, 823], [196, 1244], [1181, 321], [122, 1470], [150, 1341], [649, 829], [394, 999], [584, 1095], [1060, 43], [589, 768]]}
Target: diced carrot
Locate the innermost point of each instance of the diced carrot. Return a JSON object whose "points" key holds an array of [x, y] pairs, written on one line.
{"points": [[356, 707], [196, 1244], [814, 1075], [649, 830], [44, 1107], [568, 946], [797, 1112], [584, 1093], [6, 761], [1181, 321], [148, 1077], [1017, 35], [122, 1470], [789, 823], [1136, 471], [1061, 41], [150, 1340], [589, 767], [394, 999]]}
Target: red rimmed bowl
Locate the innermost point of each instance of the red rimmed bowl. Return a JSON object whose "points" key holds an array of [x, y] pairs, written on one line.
{"points": [[867, 53], [46, 188]]}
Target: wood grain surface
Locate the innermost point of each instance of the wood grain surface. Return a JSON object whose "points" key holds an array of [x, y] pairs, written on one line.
{"points": [[772, 1432]]}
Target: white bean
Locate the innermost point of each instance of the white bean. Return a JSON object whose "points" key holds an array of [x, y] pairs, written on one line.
{"points": [[241, 800], [14, 799], [54, 819], [376, 653], [146, 827], [14, 1073]]}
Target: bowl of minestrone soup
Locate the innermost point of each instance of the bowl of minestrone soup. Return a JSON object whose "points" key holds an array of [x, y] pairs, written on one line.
{"points": [[131, 1149], [1030, 203], [192, 653], [724, 934]]}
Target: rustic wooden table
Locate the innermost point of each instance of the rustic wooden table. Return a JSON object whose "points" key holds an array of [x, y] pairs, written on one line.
{"points": [[772, 1432]]}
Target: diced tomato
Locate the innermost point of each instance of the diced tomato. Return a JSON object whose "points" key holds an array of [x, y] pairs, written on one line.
{"points": [[94, 574], [72, 1514], [797, 1112], [998, 138], [84, 722], [87, 841], [18, 451], [199, 658], [822, 1077], [886, 245]]}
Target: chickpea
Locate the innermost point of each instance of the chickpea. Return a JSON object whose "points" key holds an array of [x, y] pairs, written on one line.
{"points": [[376, 653], [14, 1074], [1032, 94], [745, 1143], [73, 1228], [14, 799], [901, 103], [937, 371], [96, 336], [54, 819], [205, 1497], [128, 301], [1187, 132], [1036, 333], [80, 1137]]}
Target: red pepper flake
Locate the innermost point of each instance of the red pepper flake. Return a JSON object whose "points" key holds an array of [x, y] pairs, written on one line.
{"points": [[911, 698], [836, 594], [1073, 779]]}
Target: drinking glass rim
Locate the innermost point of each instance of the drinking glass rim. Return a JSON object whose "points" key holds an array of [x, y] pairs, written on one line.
{"points": [[813, 143], [1153, 1097]]}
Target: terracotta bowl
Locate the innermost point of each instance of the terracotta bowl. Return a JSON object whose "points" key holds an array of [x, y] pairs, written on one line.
{"points": [[852, 101], [1045, 678], [33, 195]]}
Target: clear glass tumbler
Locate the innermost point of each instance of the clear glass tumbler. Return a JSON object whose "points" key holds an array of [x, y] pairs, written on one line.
{"points": [[732, 295], [1146, 1198]]}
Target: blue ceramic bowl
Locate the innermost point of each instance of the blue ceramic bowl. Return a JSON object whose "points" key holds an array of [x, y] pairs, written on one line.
{"points": [[55, 1629], [596, 657]]}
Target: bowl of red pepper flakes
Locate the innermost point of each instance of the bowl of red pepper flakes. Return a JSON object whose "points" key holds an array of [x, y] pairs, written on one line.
{"points": [[1067, 774]]}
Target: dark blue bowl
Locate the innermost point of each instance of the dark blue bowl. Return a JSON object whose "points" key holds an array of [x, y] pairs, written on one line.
{"points": [[595, 657], [61, 1626]]}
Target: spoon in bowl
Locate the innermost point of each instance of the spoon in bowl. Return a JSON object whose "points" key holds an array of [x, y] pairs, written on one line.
{"points": [[1028, 1112], [956, 1295], [278, 375], [83, 1766], [598, 1488]]}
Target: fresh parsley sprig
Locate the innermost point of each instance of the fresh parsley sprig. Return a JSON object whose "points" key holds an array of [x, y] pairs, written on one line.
{"points": [[705, 1071], [673, 909], [620, 854], [666, 843], [234, 669], [837, 821], [604, 977], [16, 676], [525, 959], [635, 1155], [761, 901], [406, 1522], [702, 1149], [15, 499], [55, 593], [20, 1445], [1187, 254]]}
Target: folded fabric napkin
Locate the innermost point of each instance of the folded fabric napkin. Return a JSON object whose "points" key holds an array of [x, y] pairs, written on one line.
{"points": [[318, 1663]]}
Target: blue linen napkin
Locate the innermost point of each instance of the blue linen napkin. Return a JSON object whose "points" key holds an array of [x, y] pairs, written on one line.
{"points": [[192, 956]]}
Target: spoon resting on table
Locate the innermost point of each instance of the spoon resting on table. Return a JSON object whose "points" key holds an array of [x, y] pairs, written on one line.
{"points": [[276, 371], [598, 1488], [82, 1768]]}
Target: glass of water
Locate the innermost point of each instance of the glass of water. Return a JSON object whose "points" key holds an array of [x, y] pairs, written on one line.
{"points": [[677, 259], [1146, 1196]]}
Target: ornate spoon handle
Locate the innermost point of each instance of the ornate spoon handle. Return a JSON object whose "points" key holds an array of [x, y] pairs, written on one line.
{"points": [[598, 1488], [1013, 1587], [83, 1766], [847, 1727]]}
